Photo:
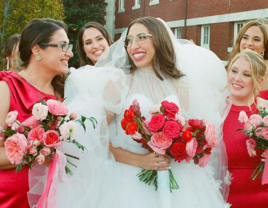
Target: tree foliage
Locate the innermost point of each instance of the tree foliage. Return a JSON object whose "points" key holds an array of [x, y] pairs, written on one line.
{"points": [[15, 14], [79, 12]]}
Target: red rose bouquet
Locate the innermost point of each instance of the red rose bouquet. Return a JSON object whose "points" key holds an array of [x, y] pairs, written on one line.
{"points": [[256, 127], [163, 134], [39, 136]]}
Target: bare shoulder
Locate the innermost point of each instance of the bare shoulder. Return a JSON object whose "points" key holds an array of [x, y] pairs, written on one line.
{"points": [[262, 102], [4, 96]]}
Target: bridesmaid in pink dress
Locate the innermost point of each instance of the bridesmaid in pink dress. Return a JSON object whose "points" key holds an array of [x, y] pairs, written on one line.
{"points": [[44, 51], [245, 74]]}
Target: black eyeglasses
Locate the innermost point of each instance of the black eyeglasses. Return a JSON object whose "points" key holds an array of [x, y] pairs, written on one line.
{"points": [[64, 46], [140, 39]]}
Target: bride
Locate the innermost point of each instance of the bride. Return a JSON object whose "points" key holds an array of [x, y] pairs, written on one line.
{"points": [[148, 64]]}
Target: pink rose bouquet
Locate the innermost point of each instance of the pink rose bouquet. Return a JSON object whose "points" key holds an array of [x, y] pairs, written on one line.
{"points": [[164, 134], [39, 136], [256, 127]]}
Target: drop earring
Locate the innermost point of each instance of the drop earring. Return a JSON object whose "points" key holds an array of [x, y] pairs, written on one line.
{"points": [[262, 54], [8, 64]]}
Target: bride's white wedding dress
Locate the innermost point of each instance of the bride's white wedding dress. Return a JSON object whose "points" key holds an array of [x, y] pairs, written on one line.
{"points": [[100, 181]]}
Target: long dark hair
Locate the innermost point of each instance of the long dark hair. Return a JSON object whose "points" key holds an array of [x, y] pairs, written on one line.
{"points": [[164, 61], [40, 31], [80, 45]]}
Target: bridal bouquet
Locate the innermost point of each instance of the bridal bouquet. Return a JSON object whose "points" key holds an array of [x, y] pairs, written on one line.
{"points": [[164, 134], [256, 127], [39, 136]]}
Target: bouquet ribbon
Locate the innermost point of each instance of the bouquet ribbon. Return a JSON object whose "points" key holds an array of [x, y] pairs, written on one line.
{"points": [[265, 170], [56, 172]]}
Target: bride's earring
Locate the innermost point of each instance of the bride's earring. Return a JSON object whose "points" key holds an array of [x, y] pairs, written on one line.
{"points": [[262, 54], [38, 58], [8, 64]]}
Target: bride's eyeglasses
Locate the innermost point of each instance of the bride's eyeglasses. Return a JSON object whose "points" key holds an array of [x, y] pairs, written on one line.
{"points": [[64, 46], [140, 39]]}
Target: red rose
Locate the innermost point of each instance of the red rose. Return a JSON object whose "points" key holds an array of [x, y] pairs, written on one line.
{"points": [[129, 115], [156, 123], [187, 135], [131, 128], [178, 149], [197, 124], [171, 129], [124, 123], [207, 150], [169, 109], [52, 139], [54, 125]]}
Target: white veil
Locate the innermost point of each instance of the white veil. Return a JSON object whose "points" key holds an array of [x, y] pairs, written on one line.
{"points": [[205, 78]]}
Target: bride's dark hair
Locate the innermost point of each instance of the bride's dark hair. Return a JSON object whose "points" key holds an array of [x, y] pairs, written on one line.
{"points": [[164, 61]]}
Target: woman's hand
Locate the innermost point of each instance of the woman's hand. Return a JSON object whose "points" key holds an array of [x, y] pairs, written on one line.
{"points": [[154, 161], [263, 155]]}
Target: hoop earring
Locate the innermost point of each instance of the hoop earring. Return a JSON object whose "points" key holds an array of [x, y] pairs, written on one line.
{"points": [[8, 64], [38, 58], [262, 54]]}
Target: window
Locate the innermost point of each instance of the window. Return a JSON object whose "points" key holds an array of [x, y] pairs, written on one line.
{"points": [[153, 2], [177, 32], [121, 6], [205, 34], [137, 4], [237, 28]]}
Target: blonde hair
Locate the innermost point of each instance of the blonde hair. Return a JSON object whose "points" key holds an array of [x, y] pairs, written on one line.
{"points": [[257, 66], [236, 48]]}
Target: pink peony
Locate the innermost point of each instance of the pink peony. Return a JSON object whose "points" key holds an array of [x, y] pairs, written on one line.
{"points": [[159, 143], [73, 116], [203, 161], [210, 135], [11, 118], [31, 122], [251, 145], [67, 129], [36, 134], [45, 151], [33, 151], [16, 147], [171, 129], [52, 139], [243, 118], [56, 107], [156, 123], [40, 159], [191, 148], [155, 109], [180, 119], [136, 136], [40, 111], [256, 120], [265, 120]]}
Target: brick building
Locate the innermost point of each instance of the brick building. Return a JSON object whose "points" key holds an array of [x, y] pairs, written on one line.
{"points": [[212, 24]]}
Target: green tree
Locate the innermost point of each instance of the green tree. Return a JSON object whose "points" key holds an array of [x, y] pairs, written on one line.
{"points": [[79, 12], [15, 14]]}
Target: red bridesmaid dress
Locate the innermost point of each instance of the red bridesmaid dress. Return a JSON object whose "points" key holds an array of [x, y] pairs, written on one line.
{"points": [[14, 185], [244, 192]]}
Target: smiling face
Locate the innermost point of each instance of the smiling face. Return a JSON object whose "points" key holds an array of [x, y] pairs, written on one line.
{"points": [[94, 44], [239, 82], [253, 39], [54, 60], [142, 55]]}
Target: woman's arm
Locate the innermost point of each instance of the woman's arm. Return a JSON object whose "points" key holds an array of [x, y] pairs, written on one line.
{"points": [[150, 161], [4, 109]]}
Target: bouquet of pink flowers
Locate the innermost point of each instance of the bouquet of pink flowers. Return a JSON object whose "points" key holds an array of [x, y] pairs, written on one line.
{"points": [[39, 136], [256, 127], [164, 134]]}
